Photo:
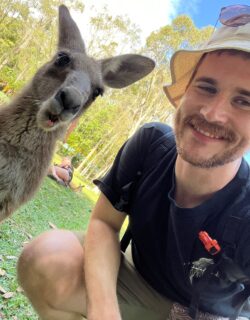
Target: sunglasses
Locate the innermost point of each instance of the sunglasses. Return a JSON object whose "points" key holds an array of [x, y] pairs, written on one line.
{"points": [[235, 15]]}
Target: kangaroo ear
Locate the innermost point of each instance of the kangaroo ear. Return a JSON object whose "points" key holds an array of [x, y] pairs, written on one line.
{"points": [[123, 70], [69, 34]]}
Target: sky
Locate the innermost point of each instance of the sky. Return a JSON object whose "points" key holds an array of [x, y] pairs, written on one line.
{"points": [[151, 15], [205, 12], [148, 15]]}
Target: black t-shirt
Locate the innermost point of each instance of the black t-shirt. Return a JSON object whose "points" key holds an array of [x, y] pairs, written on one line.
{"points": [[165, 245]]}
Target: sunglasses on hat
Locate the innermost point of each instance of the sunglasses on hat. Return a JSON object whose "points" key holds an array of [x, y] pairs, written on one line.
{"points": [[235, 15]]}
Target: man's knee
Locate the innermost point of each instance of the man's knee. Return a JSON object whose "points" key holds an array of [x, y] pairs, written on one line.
{"points": [[52, 264]]}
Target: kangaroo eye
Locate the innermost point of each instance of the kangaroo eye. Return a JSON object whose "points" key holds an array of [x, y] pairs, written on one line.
{"points": [[62, 59], [97, 92]]}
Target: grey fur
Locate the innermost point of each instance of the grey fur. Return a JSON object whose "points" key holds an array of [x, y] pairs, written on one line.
{"points": [[58, 93]]}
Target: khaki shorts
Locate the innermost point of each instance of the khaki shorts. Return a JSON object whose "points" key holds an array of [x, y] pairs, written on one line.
{"points": [[137, 299]]}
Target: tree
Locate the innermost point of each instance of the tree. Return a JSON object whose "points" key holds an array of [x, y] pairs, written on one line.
{"points": [[28, 35], [180, 34], [110, 35], [142, 102]]}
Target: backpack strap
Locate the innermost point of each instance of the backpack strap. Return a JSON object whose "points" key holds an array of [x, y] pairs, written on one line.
{"points": [[240, 302], [198, 287], [230, 241], [168, 140], [126, 191], [126, 239], [231, 234]]}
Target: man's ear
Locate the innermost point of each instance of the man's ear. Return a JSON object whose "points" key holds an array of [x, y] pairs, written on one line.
{"points": [[121, 71]]}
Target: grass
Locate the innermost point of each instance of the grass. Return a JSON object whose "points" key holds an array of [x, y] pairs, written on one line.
{"points": [[3, 98], [53, 204]]}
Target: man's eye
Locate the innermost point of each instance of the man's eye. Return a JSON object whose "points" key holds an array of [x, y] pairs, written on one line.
{"points": [[242, 102], [207, 89]]}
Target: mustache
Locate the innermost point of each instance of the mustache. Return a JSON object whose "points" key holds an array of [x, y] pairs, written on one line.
{"points": [[215, 129]]}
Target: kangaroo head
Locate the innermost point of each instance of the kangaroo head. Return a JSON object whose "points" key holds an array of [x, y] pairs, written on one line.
{"points": [[71, 81]]}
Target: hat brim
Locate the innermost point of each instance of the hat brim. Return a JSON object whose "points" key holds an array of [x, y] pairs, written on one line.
{"points": [[183, 64]]}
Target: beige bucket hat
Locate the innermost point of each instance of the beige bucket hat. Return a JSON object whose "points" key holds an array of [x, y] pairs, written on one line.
{"points": [[183, 62]]}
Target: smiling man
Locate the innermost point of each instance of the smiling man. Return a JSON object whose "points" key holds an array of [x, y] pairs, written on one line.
{"points": [[216, 110], [212, 125], [187, 195]]}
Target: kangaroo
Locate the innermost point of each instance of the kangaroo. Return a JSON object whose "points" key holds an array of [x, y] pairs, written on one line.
{"points": [[60, 91]]}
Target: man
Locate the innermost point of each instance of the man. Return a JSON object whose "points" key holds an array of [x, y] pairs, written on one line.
{"points": [[63, 173], [171, 192]]}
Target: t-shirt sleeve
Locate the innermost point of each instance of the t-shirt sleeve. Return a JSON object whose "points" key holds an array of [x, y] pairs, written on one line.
{"points": [[126, 170]]}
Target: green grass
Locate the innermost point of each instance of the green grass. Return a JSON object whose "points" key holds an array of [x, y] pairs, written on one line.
{"points": [[53, 203], [3, 98]]}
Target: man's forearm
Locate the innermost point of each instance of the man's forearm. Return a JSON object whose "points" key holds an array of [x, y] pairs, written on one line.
{"points": [[102, 261]]}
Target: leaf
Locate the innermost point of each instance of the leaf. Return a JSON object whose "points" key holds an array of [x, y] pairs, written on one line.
{"points": [[2, 272], [11, 257], [8, 295], [2, 290], [52, 226], [19, 289]]}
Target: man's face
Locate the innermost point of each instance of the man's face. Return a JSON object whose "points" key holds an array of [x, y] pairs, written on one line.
{"points": [[212, 123]]}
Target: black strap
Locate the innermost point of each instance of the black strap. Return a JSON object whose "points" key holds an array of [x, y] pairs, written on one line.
{"points": [[198, 287], [127, 191], [230, 240], [125, 239], [242, 298], [231, 234], [169, 142]]}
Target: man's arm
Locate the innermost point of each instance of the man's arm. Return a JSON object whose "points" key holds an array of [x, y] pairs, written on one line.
{"points": [[102, 261]]}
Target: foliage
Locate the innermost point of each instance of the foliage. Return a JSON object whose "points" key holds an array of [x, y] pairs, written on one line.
{"points": [[54, 204], [180, 34], [111, 35], [28, 35], [3, 98], [76, 159], [93, 126]]}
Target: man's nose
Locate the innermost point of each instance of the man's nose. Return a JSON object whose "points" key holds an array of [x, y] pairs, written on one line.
{"points": [[217, 109]]}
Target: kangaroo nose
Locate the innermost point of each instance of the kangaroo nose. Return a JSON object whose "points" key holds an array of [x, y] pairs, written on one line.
{"points": [[69, 99]]}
